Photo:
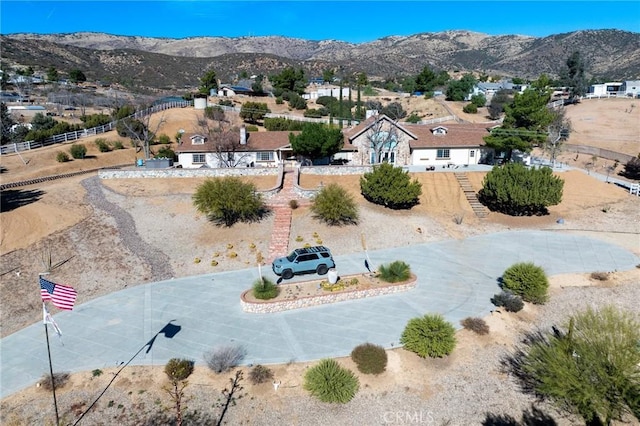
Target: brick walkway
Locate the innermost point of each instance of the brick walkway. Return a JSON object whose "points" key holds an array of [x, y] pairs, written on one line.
{"points": [[279, 204]]}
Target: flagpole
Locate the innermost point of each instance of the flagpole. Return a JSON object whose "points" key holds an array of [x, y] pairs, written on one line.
{"points": [[53, 383]]}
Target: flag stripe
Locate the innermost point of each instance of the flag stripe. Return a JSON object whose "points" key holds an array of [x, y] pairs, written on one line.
{"points": [[62, 296]]}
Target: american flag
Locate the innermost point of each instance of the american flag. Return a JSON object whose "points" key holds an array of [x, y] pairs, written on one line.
{"points": [[60, 295]]}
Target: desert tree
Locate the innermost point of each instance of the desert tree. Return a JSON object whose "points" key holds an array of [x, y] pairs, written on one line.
{"points": [[558, 132], [224, 136], [228, 200], [252, 112], [526, 120], [178, 371], [498, 102], [590, 366], [77, 76], [317, 140], [573, 76], [207, 82], [138, 128], [6, 121]]}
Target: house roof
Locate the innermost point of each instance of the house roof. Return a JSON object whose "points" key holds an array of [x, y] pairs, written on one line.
{"points": [[256, 141], [421, 135], [458, 135]]}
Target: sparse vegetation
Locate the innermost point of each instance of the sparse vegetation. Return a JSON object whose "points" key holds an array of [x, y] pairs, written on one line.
{"points": [[600, 276], [330, 382], [223, 358], [260, 374], [265, 289], [508, 300], [103, 145], [78, 151], [477, 325], [370, 358], [62, 157], [59, 379]]}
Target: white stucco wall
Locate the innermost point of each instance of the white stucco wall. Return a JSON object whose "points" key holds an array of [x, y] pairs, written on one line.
{"points": [[457, 156]]}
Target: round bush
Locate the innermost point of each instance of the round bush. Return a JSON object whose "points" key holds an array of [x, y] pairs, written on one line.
{"points": [[370, 358], [334, 206], [429, 335], [260, 374], [470, 109], [528, 281], [265, 289], [78, 151], [62, 157], [508, 300], [329, 382], [395, 272], [391, 187]]}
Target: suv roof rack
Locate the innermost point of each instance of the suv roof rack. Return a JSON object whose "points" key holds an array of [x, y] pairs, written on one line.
{"points": [[314, 249]]}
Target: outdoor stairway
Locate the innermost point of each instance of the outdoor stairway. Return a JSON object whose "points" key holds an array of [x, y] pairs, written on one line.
{"points": [[480, 210], [279, 204]]}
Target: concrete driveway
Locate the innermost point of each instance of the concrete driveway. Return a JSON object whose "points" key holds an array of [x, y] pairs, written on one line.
{"points": [[455, 278]]}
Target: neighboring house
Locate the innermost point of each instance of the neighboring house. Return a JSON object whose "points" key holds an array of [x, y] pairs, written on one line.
{"points": [[489, 89], [227, 90], [631, 88], [605, 89], [250, 149], [381, 139], [327, 90]]}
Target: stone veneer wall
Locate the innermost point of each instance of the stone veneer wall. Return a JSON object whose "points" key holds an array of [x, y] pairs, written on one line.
{"points": [[307, 301]]}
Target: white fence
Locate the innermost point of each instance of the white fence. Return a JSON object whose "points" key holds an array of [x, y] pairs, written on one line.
{"points": [[79, 134]]}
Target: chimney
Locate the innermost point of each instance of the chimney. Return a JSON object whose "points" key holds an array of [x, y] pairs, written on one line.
{"points": [[243, 135]]}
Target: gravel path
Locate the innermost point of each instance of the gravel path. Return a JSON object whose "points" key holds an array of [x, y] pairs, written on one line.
{"points": [[159, 262]]}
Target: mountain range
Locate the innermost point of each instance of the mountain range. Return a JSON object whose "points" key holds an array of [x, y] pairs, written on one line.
{"points": [[157, 63]]}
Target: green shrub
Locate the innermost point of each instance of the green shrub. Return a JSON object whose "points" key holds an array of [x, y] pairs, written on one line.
{"points": [[178, 369], [527, 281], [265, 289], [329, 382], [78, 151], [395, 272], [96, 373], [62, 157], [102, 145], [228, 200], [118, 145], [430, 335], [260, 374], [165, 152], [334, 206], [470, 109], [509, 301], [477, 325], [370, 358], [391, 187], [164, 139], [413, 118], [251, 128], [279, 100], [515, 190], [478, 101]]}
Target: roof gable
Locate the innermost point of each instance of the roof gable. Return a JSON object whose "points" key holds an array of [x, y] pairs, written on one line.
{"points": [[363, 127]]}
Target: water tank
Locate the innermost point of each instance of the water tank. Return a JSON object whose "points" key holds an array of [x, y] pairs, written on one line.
{"points": [[200, 103]]}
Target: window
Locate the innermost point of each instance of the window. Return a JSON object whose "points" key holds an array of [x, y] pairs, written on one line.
{"points": [[442, 154], [264, 156], [472, 153], [198, 158], [197, 140]]}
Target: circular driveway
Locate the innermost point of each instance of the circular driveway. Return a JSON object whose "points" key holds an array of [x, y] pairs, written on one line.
{"points": [[456, 278]]}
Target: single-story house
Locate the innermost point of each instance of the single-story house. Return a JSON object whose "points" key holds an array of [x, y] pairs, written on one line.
{"points": [[250, 149], [226, 90], [605, 89], [377, 139], [381, 139], [328, 90]]}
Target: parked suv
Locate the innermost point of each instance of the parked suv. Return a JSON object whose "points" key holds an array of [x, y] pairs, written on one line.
{"points": [[310, 259]]}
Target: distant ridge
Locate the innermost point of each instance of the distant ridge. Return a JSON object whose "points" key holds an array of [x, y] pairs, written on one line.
{"points": [[169, 62]]}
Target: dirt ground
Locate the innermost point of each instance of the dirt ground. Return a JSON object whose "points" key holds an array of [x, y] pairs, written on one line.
{"points": [[49, 211]]}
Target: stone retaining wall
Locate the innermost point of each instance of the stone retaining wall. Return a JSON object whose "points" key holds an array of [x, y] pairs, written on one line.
{"points": [[136, 173], [335, 170], [267, 307]]}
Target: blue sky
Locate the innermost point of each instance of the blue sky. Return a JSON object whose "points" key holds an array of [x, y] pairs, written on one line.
{"points": [[352, 21]]}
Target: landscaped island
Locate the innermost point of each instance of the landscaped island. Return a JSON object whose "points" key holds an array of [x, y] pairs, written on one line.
{"points": [[320, 292]]}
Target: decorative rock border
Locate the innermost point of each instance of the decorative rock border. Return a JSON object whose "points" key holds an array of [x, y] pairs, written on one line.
{"points": [[267, 307]]}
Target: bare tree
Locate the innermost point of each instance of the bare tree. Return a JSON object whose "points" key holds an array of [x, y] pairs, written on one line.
{"points": [[137, 128], [383, 140], [225, 137], [557, 133]]}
